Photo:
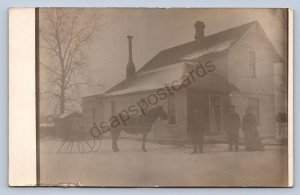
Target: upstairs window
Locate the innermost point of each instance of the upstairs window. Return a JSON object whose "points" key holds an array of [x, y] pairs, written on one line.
{"points": [[171, 110], [252, 63]]}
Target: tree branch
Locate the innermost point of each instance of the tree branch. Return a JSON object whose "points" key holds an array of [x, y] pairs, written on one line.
{"points": [[50, 69]]}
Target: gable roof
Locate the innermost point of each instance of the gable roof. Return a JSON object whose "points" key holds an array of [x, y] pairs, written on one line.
{"points": [[214, 43], [177, 53]]}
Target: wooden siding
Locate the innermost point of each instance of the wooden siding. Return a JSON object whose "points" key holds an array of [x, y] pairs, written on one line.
{"points": [[239, 68]]}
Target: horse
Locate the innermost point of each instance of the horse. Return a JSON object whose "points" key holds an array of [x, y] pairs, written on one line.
{"points": [[143, 123]]}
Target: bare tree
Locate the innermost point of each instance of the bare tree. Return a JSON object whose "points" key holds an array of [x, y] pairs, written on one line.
{"points": [[65, 34]]}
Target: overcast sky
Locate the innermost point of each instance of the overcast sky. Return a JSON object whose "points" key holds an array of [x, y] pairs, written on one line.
{"points": [[158, 29]]}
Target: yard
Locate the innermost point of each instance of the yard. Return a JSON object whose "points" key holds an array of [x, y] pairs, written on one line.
{"points": [[163, 165]]}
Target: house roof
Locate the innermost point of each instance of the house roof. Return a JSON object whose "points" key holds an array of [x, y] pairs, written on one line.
{"points": [[211, 43], [168, 65]]}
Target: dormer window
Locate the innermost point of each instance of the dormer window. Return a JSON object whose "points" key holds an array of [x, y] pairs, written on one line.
{"points": [[252, 64]]}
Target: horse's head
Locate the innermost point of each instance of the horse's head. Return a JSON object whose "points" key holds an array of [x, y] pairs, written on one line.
{"points": [[156, 112], [161, 113]]}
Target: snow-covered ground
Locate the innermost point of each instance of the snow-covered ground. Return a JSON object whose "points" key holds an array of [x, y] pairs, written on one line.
{"points": [[162, 165]]}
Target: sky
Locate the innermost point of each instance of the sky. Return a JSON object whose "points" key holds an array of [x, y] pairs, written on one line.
{"points": [[157, 29]]}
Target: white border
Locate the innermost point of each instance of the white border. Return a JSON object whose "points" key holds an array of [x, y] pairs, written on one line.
{"points": [[22, 104]]}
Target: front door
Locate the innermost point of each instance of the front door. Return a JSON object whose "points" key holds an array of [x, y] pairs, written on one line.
{"points": [[215, 115]]}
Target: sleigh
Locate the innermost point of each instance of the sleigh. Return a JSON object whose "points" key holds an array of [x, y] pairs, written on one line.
{"points": [[75, 140]]}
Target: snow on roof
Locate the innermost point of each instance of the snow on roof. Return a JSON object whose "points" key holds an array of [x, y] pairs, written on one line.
{"points": [[69, 114], [212, 49], [165, 76], [210, 81], [213, 41], [155, 79]]}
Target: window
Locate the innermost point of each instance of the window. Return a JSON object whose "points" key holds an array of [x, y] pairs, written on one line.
{"points": [[253, 104], [171, 110], [252, 63], [113, 108]]}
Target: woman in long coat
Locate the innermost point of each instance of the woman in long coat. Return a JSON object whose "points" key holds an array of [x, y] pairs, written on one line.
{"points": [[252, 139]]}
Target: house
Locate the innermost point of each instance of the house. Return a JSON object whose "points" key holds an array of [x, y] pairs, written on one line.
{"points": [[234, 66]]}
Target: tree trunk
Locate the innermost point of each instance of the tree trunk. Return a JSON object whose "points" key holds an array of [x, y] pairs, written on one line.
{"points": [[62, 102], [62, 95]]}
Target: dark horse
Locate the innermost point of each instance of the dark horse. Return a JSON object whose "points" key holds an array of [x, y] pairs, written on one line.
{"points": [[138, 124]]}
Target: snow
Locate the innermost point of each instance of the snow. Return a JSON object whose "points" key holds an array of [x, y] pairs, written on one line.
{"points": [[153, 79], [163, 165], [66, 114], [212, 49]]}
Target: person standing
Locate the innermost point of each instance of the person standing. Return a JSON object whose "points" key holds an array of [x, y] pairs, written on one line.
{"points": [[197, 131], [249, 127], [232, 126]]}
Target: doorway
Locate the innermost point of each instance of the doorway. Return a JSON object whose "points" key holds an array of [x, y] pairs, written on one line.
{"points": [[215, 115]]}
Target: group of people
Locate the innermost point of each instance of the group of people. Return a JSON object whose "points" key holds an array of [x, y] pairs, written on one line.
{"points": [[232, 125]]}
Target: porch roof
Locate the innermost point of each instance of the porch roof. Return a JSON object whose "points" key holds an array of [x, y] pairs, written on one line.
{"points": [[150, 80]]}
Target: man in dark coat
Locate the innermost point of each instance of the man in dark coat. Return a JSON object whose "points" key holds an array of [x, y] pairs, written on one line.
{"points": [[197, 131], [232, 126]]}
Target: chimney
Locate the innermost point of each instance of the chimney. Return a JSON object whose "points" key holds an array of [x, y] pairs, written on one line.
{"points": [[199, 26], [130, 69]]}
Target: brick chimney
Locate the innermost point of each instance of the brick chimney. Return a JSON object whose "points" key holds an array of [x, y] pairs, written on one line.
{"points": [[130, 68], [199, 34]]}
